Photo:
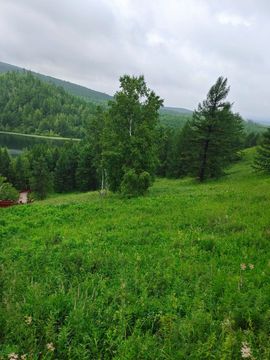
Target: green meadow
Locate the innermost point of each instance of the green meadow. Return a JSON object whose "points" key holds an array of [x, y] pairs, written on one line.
{"points": [[182, 273]]}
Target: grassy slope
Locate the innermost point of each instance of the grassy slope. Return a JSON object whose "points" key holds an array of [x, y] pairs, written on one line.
{"points": [[149, 278]]}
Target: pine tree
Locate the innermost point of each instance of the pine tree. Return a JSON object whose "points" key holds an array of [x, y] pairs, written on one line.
{"points": [[22, 172], [6, 166], [41, 179], [164, 141], [95, 133], [178, 161], [86, 174], [130, 153], [215, 134], [262, 159], [65, 170]]}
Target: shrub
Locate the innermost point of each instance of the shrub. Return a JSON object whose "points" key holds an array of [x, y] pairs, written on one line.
{"points": [[7, 191], [134, 184]]}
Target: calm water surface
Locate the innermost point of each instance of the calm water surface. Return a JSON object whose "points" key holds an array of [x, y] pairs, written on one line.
{"points": [[16, 143]]}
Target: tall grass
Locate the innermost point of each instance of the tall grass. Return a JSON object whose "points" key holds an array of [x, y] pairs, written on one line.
{"points": [[180, 274]]}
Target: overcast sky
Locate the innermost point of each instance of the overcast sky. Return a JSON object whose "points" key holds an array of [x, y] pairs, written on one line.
{"points": [[181, 46]]}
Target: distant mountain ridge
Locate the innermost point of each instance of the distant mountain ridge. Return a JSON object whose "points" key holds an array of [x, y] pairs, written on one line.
{"points": [[74, 89], [176, 111], [170, 116], [82, 91]]}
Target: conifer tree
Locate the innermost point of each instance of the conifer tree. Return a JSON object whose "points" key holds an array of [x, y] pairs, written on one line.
{"points": [[22, 172], [65, 170], [95, 133], [41, 179], [262, 159], [86, 174], [214, 134], [6, 166]]}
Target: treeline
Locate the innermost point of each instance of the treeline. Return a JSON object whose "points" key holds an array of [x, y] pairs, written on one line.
{"points": [[45, 169], [172, 142], [75, 166], [119, 152], [29, 105], [125, 147]]}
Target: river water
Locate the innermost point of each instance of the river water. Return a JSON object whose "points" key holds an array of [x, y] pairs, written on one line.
{"points": [[16, 143]]}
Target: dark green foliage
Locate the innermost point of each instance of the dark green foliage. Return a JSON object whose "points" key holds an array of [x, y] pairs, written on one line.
{"points": [[130, 132], [21, 172], [134, 184], [262, 160], [6, 167], [45, 168], [215, 134], [252, 139], [7, 191], [86, 173], [29, 105], [95, 138], [65, 169], [179, 154], [174, 121], [73, 89], [41, 178], [164, 143]]}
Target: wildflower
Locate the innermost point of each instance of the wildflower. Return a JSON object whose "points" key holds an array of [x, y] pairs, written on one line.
{"points": [[226, 323], [243, 266], [245, 351], [50, 347], [13, 356], [251, 266], [28, 320], [23, 357]]}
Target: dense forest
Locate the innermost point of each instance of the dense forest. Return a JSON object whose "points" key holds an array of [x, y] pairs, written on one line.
{"points": [[125, 146], [29, 105], [71, 88]]}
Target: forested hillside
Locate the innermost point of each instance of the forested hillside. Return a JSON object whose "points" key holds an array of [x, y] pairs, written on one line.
{"points": [[46, 114], [29, 105], [73, 89]]}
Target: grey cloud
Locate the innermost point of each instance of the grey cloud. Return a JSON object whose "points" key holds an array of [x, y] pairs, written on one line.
{"points": [[181, 46]]}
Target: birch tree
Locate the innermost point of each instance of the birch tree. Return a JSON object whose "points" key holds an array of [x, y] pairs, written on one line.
{"points": [[130, 154]]}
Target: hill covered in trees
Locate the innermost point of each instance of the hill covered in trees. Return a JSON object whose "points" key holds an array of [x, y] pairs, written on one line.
{"points": [[40, 123], [82, 91], [71, 88], [29, 105]]}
